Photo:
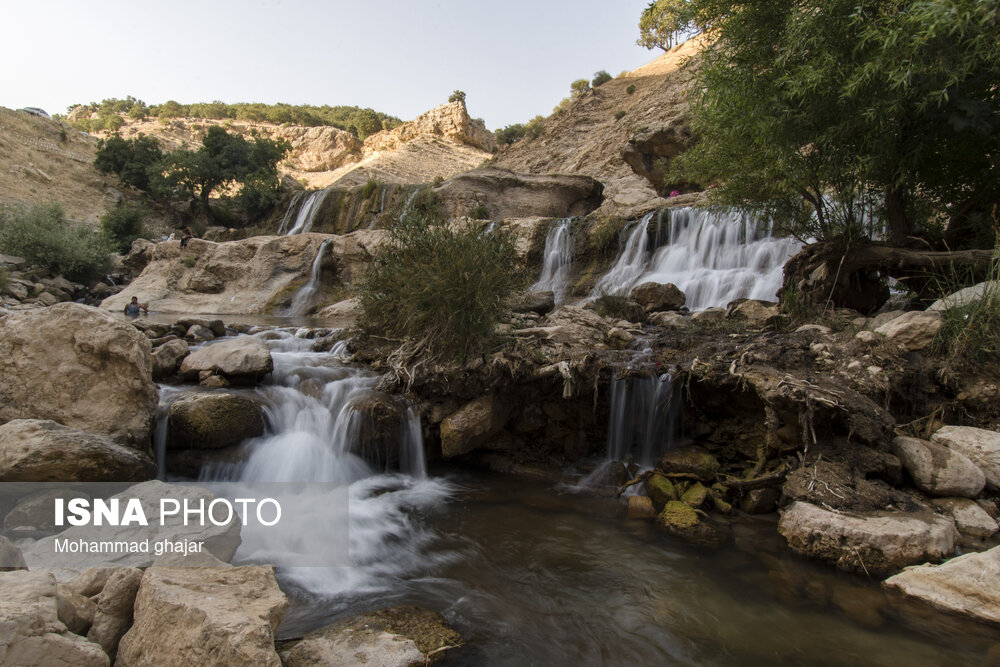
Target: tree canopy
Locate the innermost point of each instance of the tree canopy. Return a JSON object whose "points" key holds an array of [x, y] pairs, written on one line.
{"points": [[848, 117]]}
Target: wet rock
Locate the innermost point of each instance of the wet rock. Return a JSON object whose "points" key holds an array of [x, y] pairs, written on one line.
{"points": [[79, 367], [695, 496], [938, 470], [760, 501], [658, 297], [212, 421], [10, 556], [204, 616], [875, 542], [914, 330], [34, 450], [968, 585], [113, 615], [618, 338], [970, 518], [660, 489], [242, 360], [535, 302], [472, 425], [190, 462], [401, 636], [689, 462], [34, 514], [199, 334], [210, 380], [75, 611], [381, 430], [682, 521], [641, 507], [709, 316], [980, 446], [167, 358], [32, 633], [669, 320], [216, 326]]}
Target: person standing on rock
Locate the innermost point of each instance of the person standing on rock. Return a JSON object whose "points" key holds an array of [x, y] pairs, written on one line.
{"points": [[186, 235], [132, 309]]}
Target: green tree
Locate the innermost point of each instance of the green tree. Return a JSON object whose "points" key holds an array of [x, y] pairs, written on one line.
{"points": [[131, 159], [600, 78], [579, 86], [663, 22], [457, 96], [366, 122]]}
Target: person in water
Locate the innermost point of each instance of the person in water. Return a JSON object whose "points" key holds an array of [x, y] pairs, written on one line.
{"points": [[133, 308]]}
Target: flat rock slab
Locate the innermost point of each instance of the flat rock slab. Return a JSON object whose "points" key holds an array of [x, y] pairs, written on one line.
{"points": [[968, 585], [240, 358], [980, 446], [939, 470], [875, 542], [914, 330]]}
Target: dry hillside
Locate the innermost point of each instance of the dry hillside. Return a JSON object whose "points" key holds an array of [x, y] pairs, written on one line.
{"points": [[43, 160], [585, 138]]}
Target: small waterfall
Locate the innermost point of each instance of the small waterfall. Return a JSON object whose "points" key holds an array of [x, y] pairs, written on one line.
{"points": [[303, 298], [631, 261], [644, 418], [713, 257], [408, 204], [558, 262], [306, 213], [411, 447], [293, 207]]}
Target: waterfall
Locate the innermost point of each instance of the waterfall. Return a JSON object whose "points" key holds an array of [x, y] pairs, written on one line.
{"points": [[713, 257], [558, 262], [643, 418], [293, 207], [306, 212], [303, 298]]}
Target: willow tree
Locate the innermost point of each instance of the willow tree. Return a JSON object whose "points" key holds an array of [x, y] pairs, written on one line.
{"points": [[850, 119]]}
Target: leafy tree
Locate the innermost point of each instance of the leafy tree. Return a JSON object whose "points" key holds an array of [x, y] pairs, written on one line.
{"points": [[122, 225], [457, 96], [579, 86], [130, 159], [366, 122], [839, 116], [663, 22], [600, 78]]}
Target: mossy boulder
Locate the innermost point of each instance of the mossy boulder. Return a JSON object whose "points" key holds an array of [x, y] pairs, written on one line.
{"points": [[660, 489], [681, 520], [695, 496], [678, 515], [214, 420], [689, 462]]}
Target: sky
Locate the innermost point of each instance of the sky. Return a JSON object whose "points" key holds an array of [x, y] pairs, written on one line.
{"points": [[514, 59]]}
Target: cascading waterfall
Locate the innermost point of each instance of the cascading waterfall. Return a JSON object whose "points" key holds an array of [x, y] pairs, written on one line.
{"points": [[558, 262], [712, 257], [306, 215], [644, 417], [303, 298], [293, 208]]}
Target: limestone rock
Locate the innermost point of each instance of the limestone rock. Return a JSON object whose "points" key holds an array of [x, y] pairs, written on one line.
{"points": [[980, 446], [30, 630], [449, 121], [214, 420], [400, 636], [618, 338], [970, 518], [10, 556], [658, 297], [709, 316], [535, 302], [966, 296], [755, 312], [571, 325], [80, 367], [873, 541], [650, 152], [506, 194], [199, 334], [75, 611], [938, 470], [471, 425], [91, 581], [34, 450], [319, 148], [968, 585], [695, 496], [641, 507], [216, 326], [34, 514], [204, 616], [669, 320], [689, 462], [139, 255], [240, 359], [113, 615], [167, 358], [914, 330]]}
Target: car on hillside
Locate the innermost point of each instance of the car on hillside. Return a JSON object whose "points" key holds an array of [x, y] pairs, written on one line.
{"points": [[35, 111]]}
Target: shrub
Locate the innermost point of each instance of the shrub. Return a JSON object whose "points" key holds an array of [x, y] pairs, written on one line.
{"points": [[600, 78], [631, 89], [368, 188], [122, 225], [534, 127], [441, 286], [258, 197], [579, 86], [457, 96], [971, 332], [619, 115], [479, 212], [510, 134], [43, 236]]}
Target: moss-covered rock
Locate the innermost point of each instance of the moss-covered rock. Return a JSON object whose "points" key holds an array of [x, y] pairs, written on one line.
{"points": [[695, 496], [210, 421], [689, 462], [660, 489], [678, 515]]}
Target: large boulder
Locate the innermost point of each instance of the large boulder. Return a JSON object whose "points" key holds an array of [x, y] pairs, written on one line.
{"points": [[689, 462], [211, 421], [397, 637], [980, 446], [968, 585], [113, 615], [507, 194], [34, 450], [658, 297], [30, 630], [938, 470], [244, 359], [875, 542], [204, 616], [650, 152], [167, 358], [964, 297], [10, 556], [471, 425], [914, 330], [80, 367]]}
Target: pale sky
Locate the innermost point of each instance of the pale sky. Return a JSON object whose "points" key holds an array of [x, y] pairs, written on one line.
{"points": [[514, 59]]}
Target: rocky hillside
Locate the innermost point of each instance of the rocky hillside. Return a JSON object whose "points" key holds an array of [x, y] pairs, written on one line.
{"points": [[589, 136], [442, 142], [45, 160]]}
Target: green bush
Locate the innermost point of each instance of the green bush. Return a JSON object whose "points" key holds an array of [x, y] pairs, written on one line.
{"points": [[600, 78], [619, 115], [971, 332], [368, 188], [631, 89], [479, 212], [258, 197], [457, 96], [132, 159], [43, 236], [510, 134], [122, 225], [440, 285], [579, 86]]}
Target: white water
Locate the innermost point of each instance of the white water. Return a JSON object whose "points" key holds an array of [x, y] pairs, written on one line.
{"points": [[713, 258], [558, 262], [303, 298], [306, 215], [644, 416], [293, 208]]}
